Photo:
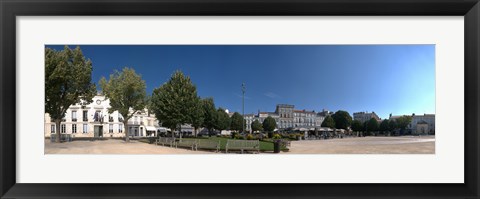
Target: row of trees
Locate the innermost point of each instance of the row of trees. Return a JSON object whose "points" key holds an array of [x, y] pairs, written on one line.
{"points": [[343, 120], [385, 126]]}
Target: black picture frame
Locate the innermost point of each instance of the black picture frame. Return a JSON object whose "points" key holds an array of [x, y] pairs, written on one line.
{"points": [[9, 9]]}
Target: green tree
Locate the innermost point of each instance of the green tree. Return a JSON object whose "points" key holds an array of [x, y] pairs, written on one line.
{"points": [[384, 126], [256, 126], [175, 102], [209, 114], [328, 122], [403, 122], [126, 91], [343, 120], [269, 124], [237, 122], [223, 120], [372, 125], [68, 81], [392, 125], [197, 117], [357, 126]]}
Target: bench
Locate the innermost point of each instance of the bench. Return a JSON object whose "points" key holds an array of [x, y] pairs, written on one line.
{"points": [[208, 144], [63, 137], [164, 140], [243, 145], [191, 143]]}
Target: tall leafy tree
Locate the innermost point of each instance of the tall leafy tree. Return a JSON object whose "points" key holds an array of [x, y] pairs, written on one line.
{"points": [[197, 116], [384, 126], [223, 120], [68, 81], [403, 122], [237, 122], [174, 102], [328, 122], [269, 124], [357, 126], [209, 114], [256, 126], [392, 125], [372, 125], [126, 91], [343, 120]]}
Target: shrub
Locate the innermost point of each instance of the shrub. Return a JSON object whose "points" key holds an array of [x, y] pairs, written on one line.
{"points": [[237, 136], [249, 137], [277, 136]]}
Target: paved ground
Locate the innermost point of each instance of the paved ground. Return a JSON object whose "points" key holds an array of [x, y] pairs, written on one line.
{"points": [[364, 145], [112, 146]]}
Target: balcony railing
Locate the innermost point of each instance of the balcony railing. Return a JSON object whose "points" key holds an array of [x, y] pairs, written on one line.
{"points": [[98, 119], [74, 119]]}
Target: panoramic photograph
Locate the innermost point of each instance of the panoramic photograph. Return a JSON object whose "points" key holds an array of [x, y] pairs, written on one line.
{"points": [[239, 99]]}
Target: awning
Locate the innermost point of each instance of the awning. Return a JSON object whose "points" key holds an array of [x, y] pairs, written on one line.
{"points": [[151, 128], [163, 129]]}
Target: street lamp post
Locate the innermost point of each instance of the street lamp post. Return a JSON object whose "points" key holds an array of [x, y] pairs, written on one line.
{"points": [[243, 107]]}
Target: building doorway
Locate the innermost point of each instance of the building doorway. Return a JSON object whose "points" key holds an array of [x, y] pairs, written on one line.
{"points": [[98, 131]]}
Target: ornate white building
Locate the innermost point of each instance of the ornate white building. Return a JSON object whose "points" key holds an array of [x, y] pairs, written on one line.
{"points": [[93, 120]]}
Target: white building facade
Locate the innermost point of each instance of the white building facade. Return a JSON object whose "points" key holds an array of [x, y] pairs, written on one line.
{"points": [[93, 120]]}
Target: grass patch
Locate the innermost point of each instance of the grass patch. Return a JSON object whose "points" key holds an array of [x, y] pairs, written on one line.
{"points": [[264, 145]]}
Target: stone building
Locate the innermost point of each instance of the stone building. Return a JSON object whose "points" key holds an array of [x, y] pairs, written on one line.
{"points": [[303, 118], [428, 119], [365, 116], [286, 116], [93, 120]]}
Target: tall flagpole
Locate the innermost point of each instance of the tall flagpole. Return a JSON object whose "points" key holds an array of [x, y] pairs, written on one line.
{"points": [[243, 108]]}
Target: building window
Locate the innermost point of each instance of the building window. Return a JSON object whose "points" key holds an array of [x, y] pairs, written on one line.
{"points": [[52, 129], [85, 116], [120, 128], [74, 116], [110, 128], [62, 128], [85, 128], [98, 116], [74, 128], [110, 119]]}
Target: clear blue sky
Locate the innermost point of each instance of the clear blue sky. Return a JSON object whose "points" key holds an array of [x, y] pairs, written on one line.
{"points": [[398, 79]]}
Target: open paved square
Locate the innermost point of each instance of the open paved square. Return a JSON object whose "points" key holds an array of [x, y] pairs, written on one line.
{"points": [[366, 145], [360, 145]]}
